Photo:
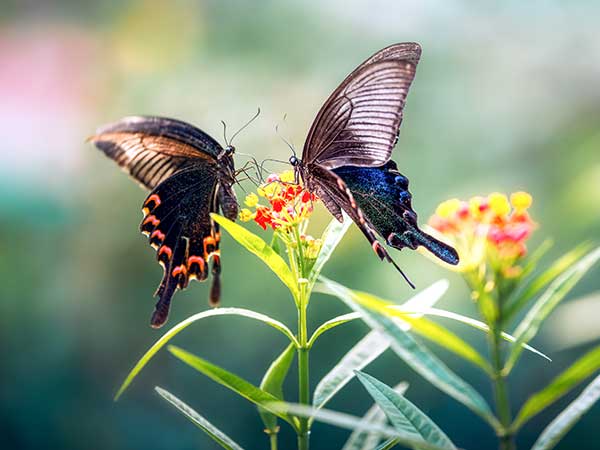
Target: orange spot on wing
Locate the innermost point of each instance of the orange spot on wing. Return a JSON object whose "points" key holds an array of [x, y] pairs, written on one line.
{"points": [[152, 220], [196, 260], [153, 198], [179, 270], [165, 250], [157, 234]]}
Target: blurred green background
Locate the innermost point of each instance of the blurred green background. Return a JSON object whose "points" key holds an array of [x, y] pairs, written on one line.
{"points": [[506, 98]]}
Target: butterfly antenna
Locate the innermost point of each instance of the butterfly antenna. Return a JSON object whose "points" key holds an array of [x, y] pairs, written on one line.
{"points": [[225, 133], [254, 117], [290, 146]]}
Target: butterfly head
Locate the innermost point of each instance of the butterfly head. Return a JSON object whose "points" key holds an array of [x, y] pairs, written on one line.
{"points": [[229, 150], [294, 161]]}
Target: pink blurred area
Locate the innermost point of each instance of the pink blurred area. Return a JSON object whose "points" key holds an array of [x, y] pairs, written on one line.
{"points": [[48, 86]]}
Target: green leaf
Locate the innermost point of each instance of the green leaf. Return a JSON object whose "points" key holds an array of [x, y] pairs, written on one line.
{"points": [[231, 381], [387, 445], [254, 244], [417, 356], [185, 323], [403, 415], [332, 323], [530, 289], [557, 290], [421, 301], [272, 383], [532, 260], [350, 422], [585, 366], [370, 347], [332, 236], [366, 440], [217, 435], [425, 328], [467, 321], [561, 425], [359, 356]]}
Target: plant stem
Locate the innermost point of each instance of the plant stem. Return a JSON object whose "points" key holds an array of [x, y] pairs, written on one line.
{"points": [[273, 440], [303, 381], [506, 436]]}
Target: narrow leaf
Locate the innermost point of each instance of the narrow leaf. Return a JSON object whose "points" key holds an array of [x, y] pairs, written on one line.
{"points": [[561, 425], [467, 321], [332, 236], [530, 289], [350, 422], [585, 366], [387, 445], [254, 244], [217, 435], [403, 415], [233, 382], [370, 347], [366, 440], [165, 338], [272, 383], [425, 328], [359, 356], [557, 290], [421, 301], [417, 356]]}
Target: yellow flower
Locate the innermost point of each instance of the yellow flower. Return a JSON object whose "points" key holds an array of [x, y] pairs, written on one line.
{"points": [[313, 247], [288, 176], [499, 204], [251, 200], [246, 215], [447, 208], [521, 200]]}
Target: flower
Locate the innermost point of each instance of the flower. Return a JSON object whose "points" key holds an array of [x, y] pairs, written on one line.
{"points": [[288, 204], [487, 230]]}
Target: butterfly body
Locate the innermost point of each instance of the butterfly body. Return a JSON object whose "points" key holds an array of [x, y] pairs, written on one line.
{"points": [[346, 159], [189, 175]]}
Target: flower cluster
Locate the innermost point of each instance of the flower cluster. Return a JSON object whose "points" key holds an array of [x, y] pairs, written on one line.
{"points": [[490, 229], [288, 204]]}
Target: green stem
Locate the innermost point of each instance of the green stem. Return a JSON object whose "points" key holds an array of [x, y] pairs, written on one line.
{"points": [[505, 435], [303, 381], [273, 440]]}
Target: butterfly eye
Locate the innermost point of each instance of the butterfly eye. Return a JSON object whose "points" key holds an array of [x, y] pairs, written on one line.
{"points": [[294, 161], [230, 150]]}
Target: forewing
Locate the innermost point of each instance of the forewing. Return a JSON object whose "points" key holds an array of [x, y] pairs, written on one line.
{"points": [[359, 123], [151, 149], [409, 51], [178, 225]]}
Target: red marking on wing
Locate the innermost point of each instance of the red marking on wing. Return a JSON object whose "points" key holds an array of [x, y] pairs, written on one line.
{"points": [[158, 235], [179, 270], [195, 260], [166, 251], [155, 199]]}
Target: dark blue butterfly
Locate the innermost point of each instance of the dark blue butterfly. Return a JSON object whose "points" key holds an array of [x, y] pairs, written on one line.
{"points": [[346, 159]]}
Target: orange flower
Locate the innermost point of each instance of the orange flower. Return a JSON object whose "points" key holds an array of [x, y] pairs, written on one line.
{"points": [[487, 229], [288, 204]]}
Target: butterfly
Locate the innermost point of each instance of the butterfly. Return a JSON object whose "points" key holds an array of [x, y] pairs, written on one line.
{"points": [[346, 159], [189, 175]]}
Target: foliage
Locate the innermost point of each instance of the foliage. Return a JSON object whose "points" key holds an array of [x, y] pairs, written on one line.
{"points": [[490, 234]]}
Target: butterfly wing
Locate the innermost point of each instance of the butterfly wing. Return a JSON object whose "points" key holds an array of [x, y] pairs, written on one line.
{"points": [[358, 124], [151, 149], [385, 202], [179, 164], [178, 225]]}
